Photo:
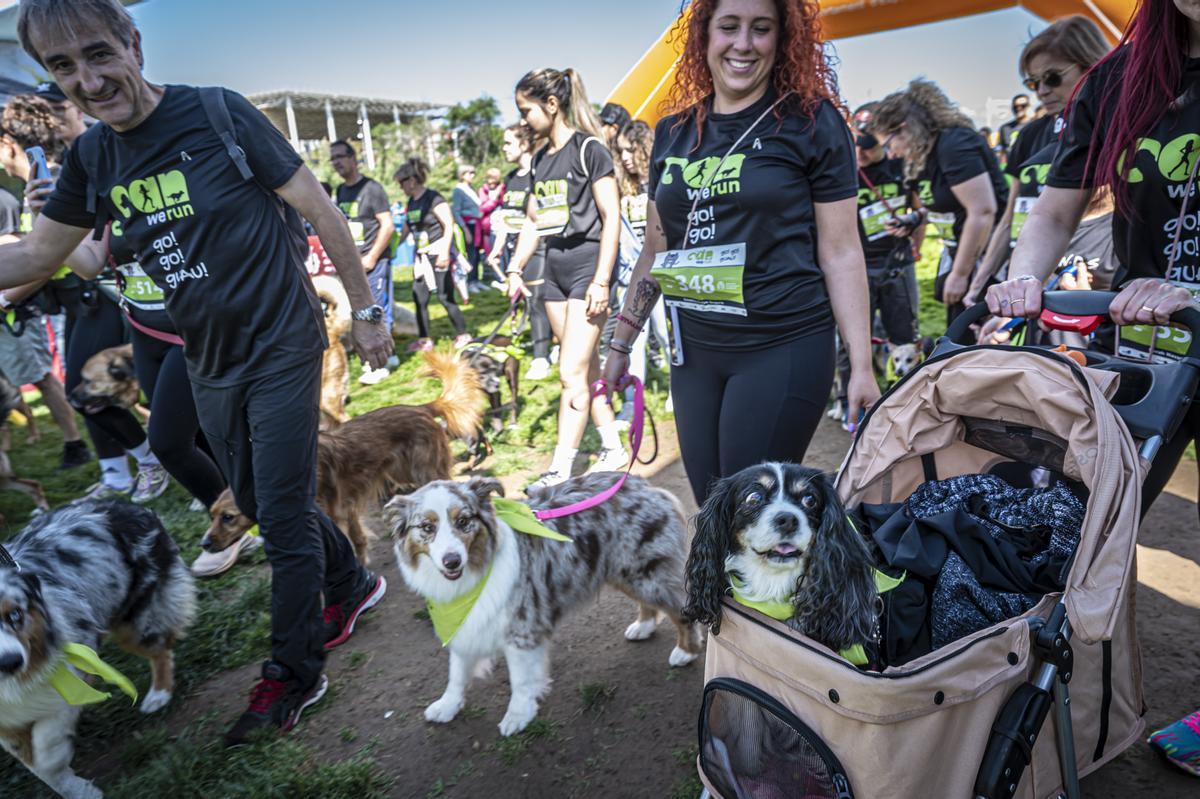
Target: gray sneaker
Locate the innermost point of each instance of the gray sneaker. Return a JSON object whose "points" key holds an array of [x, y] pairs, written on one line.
{"points": [[151, 482], [101, 491]]}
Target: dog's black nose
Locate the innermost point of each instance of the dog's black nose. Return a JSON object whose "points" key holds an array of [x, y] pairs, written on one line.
{"points": [[452, 561], [786, 523], [206, 544], [10, 662]]}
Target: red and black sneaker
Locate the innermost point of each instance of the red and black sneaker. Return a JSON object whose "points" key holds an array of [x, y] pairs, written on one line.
{"points": [[276, 702], [340, 617]]}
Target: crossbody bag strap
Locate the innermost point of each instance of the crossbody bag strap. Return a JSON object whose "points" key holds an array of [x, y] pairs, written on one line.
{"points": [[878, 195]]}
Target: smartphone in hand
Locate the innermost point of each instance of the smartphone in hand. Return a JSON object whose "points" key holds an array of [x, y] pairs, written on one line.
{"points": [[37, 163]]}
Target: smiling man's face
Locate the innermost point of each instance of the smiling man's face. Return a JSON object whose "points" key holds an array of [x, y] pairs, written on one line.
{"points": [[98, 72]]}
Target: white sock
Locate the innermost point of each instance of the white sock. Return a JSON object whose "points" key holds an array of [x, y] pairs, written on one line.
{"points": [[610, 435], [143, 455], [564, 459], [114, 473]]}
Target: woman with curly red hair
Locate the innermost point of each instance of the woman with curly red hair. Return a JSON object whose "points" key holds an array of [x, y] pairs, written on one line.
{"points": [[752, 238]]}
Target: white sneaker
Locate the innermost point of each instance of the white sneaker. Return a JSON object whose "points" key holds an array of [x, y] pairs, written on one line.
{"points": [[539, 369], [210, 564], [547, 479], [554, 354], [370, 377], [669, 405], [610, 460], [196, 506]]}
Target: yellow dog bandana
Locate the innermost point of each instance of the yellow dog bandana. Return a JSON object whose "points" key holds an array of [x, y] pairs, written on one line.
{"points": [[71, 687], [447, 617], [782, 611]]}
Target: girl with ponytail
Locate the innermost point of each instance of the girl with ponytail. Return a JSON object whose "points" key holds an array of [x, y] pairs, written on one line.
{"points": [[574, 207], [1132, 125], [429, 219]]}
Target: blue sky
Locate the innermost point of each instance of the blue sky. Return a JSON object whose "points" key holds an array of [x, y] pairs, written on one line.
{"points": [[453, 50]]}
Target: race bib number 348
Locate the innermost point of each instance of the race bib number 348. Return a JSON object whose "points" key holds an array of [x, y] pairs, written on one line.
{"points": [[705, 279]]}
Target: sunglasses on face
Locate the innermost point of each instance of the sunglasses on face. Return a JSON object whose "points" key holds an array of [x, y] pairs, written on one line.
{"points": [[1052, 78]]}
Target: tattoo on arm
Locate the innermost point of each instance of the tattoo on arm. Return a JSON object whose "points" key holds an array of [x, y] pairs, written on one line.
{"points": [[645, 294]]}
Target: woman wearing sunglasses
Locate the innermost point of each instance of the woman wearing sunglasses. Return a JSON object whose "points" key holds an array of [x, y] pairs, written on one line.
{"points": [[955, 173], [1053, 63]]}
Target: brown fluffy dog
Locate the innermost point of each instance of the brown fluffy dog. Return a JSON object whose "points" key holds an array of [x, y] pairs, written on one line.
{"points": [[394, 449], [335, 366]]}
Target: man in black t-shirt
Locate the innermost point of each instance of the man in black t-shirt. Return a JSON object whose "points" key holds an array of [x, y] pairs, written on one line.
{"points": [[365, 204], [198, 186], [1012, 128]]}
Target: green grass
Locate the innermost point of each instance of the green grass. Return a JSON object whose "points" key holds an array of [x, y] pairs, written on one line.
{"points": [[512, 748], [596, 696]]}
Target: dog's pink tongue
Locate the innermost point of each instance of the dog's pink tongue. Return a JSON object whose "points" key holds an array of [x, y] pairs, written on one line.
{"points": [[785, 549]]}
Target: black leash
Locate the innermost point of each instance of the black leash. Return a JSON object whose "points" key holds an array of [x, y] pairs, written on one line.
{"points": [[654, 435], [490, 337]]}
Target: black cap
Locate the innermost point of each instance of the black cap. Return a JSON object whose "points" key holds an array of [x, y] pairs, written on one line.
{"points": [[50, 91], [613, 114]]}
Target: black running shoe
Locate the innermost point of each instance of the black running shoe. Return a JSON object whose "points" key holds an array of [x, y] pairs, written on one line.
{"points": [[276, 702], [340, 617], [75, 453]]}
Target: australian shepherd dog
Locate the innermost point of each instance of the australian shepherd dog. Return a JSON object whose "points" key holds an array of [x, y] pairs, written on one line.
{"points": [[449, 539], [72, 576]]}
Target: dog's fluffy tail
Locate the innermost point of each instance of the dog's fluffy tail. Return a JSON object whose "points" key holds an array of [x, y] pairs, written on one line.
{"points": [[462, 398]]}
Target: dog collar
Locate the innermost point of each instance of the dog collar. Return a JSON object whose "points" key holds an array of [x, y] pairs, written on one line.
{"points": [[71, 687], [519, 516]]}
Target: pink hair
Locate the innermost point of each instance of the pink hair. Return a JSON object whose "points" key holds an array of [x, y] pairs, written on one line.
{"points": [[1154, 48]]}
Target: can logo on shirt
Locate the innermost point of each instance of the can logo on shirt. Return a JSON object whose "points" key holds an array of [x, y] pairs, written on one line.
{"points": [[165, 195]]}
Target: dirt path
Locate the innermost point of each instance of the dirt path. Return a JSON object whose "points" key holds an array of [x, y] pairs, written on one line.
{"points": [[618, 722]]}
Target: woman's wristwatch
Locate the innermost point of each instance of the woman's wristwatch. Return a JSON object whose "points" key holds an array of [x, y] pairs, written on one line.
{"points": [[372, 314]]}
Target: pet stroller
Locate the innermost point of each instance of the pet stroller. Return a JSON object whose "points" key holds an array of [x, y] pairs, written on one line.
{"points": [[1021, 708]]}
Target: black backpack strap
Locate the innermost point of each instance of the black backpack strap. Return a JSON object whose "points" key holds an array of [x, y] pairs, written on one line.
{"points": [[89, 148], [212, 98]]}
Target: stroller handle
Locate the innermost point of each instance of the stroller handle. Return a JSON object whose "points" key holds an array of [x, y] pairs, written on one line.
{"points": [[1154, 397], [1076, 303]]}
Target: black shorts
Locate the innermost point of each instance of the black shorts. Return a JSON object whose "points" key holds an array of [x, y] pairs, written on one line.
{"points": [[569, 269]]}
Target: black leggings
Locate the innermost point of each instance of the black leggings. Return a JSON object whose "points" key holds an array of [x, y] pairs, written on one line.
{"points": [[534, 276], [92, 328], [444, 280], [174, 426], [736, 409]]}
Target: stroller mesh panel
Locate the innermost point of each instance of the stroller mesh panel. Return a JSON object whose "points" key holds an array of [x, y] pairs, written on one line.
{"points": [[752, 746]]}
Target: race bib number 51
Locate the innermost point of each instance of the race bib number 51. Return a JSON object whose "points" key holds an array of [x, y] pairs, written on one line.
{"points": [[705, 279]]}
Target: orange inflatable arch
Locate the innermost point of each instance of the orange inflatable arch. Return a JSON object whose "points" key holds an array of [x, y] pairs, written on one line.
{"points": [[647, 83]]}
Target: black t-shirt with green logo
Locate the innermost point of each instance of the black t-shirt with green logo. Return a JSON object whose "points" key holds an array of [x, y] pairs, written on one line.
{"points": [[234, 283], [883, 195], [763, 197], [361, 203], [958, 155], [422, 221], [562, 187], [510, 216], [1157, 178], [1041, 132]]}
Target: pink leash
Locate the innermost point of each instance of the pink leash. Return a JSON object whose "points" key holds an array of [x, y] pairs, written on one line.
{"points": [[170, 338], [600, 387]]}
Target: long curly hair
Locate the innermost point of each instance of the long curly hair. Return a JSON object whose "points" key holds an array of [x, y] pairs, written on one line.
{"points": [[31, 122], [804, 63], [640, 137], [927, 111]]}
